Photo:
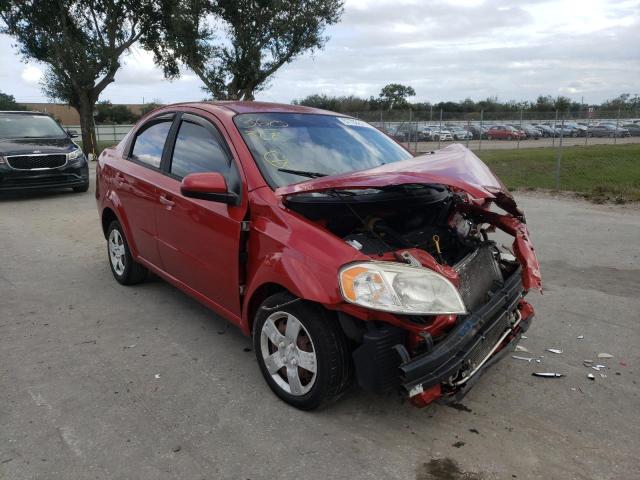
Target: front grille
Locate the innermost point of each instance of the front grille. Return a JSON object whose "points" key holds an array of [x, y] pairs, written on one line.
{"points": [[30, 162], [479, 274], [488, 341]]}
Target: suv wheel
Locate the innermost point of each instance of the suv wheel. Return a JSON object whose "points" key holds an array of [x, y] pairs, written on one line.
{"points": [[125, 270], [301, 350]]}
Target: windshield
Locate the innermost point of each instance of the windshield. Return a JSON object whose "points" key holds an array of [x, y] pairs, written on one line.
{"points": [[29, 126], [313, 144]]}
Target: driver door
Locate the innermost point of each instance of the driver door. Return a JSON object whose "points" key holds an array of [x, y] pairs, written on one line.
{"points": [[199, 240]]}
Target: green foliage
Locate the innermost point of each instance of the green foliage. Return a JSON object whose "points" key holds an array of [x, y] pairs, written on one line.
{"points": [[260, 37], [8, 102], [598, 172], [106, 113], [395, 95], [147, 107]]}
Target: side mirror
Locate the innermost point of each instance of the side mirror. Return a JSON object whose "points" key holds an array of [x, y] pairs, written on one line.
{"points": [[72, 133], [208, 186]]}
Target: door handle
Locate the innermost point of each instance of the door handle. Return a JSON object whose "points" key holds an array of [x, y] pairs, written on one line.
{"points": [[167, 201]]}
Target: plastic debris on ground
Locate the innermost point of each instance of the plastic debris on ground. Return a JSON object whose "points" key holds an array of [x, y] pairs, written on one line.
{"points": [[548, 374], [605, 355], [591, 376], [580, 337], [557, 351], [528, 359], [157, 376], [520, 348]]}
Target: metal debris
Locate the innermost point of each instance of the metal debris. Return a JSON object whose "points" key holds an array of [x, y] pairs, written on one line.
{"points": [[548, 374], [528, 359], [591, 376], [520, 348], [598, 367], [554, 350], [605, 355], [131, 346]]}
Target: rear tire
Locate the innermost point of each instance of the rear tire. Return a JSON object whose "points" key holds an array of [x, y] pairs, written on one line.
{"points": [[291, 338], [125, 270]]}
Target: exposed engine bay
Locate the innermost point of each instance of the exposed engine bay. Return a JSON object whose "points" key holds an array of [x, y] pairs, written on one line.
{"points": [[414, 216]]}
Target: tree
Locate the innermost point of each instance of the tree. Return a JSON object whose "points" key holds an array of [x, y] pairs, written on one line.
{"points": [[147, 107], [261, 37], [108, 113], [81, 43], [8, 102], [395, 95]]}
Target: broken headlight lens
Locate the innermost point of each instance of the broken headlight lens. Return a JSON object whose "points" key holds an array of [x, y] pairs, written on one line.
{"points": [[399, 288]]}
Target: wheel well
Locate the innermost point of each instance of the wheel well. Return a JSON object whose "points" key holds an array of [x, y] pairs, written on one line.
{"points": [[260, 295], [108, 216]]}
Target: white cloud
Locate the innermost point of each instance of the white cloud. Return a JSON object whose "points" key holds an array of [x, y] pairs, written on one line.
{"points": [[31, 74]]}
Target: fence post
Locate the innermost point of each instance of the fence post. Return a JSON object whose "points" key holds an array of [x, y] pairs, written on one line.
{"points": [[114, 133], [615, 135], [440, 129], [409, 133], [468, 130], [559, 157], [481, 129], [520, 129], [553, 142]]}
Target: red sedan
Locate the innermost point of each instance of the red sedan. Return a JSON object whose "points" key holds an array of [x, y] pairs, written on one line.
{"points": [[339, 253], [505, 132]]}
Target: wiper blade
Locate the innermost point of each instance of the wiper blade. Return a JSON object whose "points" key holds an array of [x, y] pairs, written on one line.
{"points": [[303, 173]]}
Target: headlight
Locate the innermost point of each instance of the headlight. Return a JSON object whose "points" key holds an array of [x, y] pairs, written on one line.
{"points": [[398, 288], [75, 154]]}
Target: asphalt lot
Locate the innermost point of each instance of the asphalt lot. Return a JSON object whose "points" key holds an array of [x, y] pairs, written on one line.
{"points": [[101, 381]]}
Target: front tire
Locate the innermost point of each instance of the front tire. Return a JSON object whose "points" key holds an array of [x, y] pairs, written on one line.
{"points": [[301, 350], [125, 270]]}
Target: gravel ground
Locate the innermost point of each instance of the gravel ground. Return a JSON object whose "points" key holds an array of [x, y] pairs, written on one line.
{"points": [[102, 381]]}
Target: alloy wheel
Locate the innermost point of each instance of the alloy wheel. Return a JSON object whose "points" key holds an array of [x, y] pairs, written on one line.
{"points": [[288, 352], [116, 252]]}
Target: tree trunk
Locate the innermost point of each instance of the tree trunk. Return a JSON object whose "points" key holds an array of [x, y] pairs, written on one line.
{"points": [[85, 109]]}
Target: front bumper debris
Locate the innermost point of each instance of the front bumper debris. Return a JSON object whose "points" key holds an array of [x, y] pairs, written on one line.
{"points": [[471, 347]]}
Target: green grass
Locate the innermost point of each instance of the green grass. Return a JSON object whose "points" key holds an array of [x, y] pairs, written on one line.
{"points": [[599, 172]]}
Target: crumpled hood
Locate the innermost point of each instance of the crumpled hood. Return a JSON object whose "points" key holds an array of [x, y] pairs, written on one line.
{"points": [[454, 165]]}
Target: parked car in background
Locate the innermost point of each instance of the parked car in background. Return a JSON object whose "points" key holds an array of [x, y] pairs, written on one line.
{"points": [[442, 135], [460, 133], [505, 132], [546, 130], [342, 255], [565, 131], [37, 153], [531, 131], [608, 130], [478, 131], [632, 128], [578, 129]]}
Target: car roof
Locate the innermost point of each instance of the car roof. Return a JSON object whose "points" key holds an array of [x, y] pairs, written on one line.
{"points": [[22, 112], [239, 107]]}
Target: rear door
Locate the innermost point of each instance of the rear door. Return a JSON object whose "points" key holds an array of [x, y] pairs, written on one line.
{"points": [[199, 240], [136, 182]]}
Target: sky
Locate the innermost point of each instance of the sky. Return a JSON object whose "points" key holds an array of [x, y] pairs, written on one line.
{"points": [[446, 50]]}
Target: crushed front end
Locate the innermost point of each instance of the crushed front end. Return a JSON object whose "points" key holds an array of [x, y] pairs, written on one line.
{"points": [[439, 298]]}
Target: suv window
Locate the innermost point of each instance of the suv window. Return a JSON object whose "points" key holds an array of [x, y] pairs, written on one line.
{"points": [[198, 149], [149, 143]]}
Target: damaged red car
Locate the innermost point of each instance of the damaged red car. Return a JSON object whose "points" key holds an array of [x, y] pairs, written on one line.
{"points": [[343, 256]]}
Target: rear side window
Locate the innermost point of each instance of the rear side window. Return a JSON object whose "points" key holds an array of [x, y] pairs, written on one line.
{"points": [[200, 149], [149, 143]]}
